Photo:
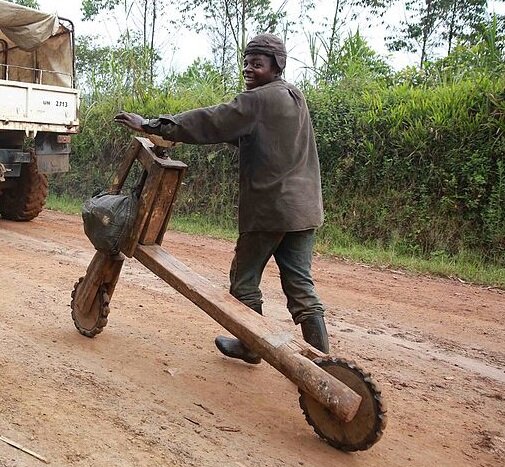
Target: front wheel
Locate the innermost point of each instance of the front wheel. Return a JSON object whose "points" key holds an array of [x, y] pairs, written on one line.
{"points": [[90, 322]]}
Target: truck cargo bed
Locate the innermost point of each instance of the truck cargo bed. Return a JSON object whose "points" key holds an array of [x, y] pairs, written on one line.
{"points": [[29, 106]]}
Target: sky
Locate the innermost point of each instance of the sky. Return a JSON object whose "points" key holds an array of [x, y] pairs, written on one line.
{"points": [[190, 45]]}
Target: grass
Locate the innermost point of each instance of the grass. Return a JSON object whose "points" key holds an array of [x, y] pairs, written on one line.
{"points": [[64, 204], [331, 241], [464, 267], [198, 225]]}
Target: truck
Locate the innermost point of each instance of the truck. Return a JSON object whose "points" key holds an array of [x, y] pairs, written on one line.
{"points": [[39, 106]]}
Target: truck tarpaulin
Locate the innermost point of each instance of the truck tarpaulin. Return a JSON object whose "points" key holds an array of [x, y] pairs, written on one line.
{"points": [[28, 35], [26, 27]]}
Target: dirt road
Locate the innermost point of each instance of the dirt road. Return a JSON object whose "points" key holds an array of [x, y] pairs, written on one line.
{"points": [[152, 390]]}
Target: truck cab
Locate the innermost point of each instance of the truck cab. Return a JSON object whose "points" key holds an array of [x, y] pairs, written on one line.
{"points": [[39, 106]]}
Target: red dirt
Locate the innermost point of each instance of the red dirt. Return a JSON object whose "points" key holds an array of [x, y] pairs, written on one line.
{"points": [[152, 390]]}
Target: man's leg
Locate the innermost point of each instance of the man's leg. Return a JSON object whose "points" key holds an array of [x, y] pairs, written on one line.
{"points": [[294, 258], [252, 252]]}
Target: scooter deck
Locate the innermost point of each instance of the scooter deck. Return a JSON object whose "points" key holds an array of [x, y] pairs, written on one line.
{"points": [[288, 354]]}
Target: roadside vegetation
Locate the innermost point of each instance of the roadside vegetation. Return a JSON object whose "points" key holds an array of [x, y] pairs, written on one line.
{"points": [[464, 267], [412, 161]]}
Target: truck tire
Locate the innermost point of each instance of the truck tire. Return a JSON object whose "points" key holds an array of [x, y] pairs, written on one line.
{"points": [[26, 199]]}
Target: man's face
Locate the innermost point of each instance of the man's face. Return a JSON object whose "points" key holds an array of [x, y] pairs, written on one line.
{"points": [[259, 70]]}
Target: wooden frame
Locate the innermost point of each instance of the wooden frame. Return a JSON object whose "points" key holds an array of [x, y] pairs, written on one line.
{"points": [[158, 188], [160, 183]]}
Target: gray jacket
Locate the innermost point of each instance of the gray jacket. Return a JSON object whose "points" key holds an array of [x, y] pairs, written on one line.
{"points": [[280, 184]]}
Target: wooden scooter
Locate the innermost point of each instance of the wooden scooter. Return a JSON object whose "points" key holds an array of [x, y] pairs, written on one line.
{"points": [[339, 400]]}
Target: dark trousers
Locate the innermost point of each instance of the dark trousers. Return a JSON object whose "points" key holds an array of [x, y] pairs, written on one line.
{"points": [[293, 254]]}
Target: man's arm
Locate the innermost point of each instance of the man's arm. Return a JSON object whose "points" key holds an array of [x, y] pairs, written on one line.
{"points": [[218, 124]]}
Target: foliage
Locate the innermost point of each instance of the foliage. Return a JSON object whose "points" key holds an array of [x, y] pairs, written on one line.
{"points": [[229, 24], [200, 74], [150, 12], [422, 167], [28, 3], [326, 43], [412, 162], [211, 185], [355, 60], [113, 69], [91, 8], [431, 24], [484, 57]]}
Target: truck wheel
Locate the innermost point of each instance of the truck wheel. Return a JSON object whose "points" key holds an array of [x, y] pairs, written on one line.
{"points": [[26, 199]]}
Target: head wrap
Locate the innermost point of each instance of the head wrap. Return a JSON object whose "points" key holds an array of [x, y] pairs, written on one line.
{"points": [[268, 44]]}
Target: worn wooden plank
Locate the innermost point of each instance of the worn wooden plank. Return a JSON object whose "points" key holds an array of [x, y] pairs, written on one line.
{"points": [[279, 348], [145, 202], [161, 206], [103, 269], [170, 163], [151, 194], [145, 155], [112, 271], [161, 233], [125, 166], [87, 290], [148, 157], [155, 201]]}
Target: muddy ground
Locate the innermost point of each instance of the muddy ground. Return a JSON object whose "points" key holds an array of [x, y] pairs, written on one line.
{"points": [[152, 390]]}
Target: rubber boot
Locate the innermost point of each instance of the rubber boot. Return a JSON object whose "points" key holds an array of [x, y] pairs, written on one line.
{"points": [[233, 348], [314, 333]]}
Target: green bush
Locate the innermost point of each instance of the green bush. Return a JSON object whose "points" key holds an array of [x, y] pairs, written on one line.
{"points": [[420, 168]]}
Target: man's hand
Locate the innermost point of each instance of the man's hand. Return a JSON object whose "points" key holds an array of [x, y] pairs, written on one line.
{"points": [[131, 120]]}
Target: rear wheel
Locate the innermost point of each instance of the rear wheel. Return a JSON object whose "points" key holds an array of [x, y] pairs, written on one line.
{"points": [[366, 428], [25, 200]]}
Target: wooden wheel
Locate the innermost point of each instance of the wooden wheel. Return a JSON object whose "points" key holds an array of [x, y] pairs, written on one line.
{"points": [[92, 321], [366, 428]]}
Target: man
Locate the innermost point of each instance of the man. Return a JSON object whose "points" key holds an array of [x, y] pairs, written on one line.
{"points": [[280, 202]]}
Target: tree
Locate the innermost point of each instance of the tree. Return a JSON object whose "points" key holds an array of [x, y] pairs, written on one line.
{"points": [[229, 24], [327, 47], [417, 33], [485, 56], [106, 70], [148, 11], [29, 3], [462, 19], [91, 8], [201, 73], [430, 24], [355, 59]]}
